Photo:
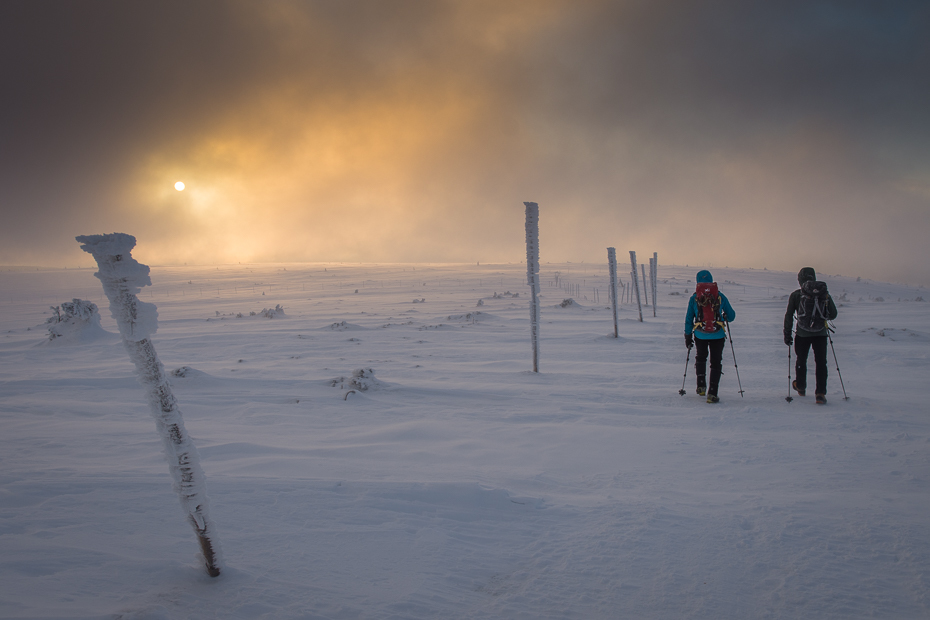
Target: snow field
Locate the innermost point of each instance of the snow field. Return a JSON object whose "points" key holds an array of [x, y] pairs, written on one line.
{"points": [[461, 485]]}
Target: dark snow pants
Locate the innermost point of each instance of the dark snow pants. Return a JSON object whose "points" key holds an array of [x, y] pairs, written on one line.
{"points": [[803, 344], [715, 347]]}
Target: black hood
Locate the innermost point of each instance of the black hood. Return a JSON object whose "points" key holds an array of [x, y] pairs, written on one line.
{"points": [[806, 274]]}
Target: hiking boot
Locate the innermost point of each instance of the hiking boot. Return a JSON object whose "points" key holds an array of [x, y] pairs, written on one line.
{"points": [[800, 392], [701, 391], [711, 398], [821, 399]]}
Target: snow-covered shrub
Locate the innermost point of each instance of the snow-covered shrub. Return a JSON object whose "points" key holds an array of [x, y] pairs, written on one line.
{"points": [[362, 379], [274, 313], [75, 320], [469, 317], [568, 303]]}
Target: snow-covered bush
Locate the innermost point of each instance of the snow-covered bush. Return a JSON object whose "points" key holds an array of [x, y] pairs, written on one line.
{"points": [[75, 320], [362, 379], [273, 313]]}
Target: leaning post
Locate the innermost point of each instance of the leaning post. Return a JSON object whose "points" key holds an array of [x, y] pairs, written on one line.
{"points": [[122, 278], [635, 278]]}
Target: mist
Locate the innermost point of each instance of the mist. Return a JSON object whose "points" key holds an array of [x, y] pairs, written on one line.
{"points": [[726, 133]]}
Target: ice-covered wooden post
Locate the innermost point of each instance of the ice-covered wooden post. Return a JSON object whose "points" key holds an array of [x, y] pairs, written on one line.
{"points": [[122, 278], [652, 282], [635, 277], [612, 268], [532, 275]]}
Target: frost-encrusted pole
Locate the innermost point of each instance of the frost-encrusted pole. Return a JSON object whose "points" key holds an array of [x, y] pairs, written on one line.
{"points": [[635, 277], [612, 267], [655, 280], [652, 282], [122, 278], [645, 286], [532, 275]]}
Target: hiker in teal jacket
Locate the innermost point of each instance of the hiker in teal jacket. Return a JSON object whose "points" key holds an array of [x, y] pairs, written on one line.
{"points": [[707, 341], [805, 340]]}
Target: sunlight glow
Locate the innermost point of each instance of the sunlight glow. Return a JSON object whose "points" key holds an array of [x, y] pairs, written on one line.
{"points": [[179, 186]]}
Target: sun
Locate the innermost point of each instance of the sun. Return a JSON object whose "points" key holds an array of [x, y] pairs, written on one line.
{"points": [[179, 186]]}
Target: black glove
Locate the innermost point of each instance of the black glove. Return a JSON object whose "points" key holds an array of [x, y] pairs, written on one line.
{"points": [[689, 341], [788, 339]]}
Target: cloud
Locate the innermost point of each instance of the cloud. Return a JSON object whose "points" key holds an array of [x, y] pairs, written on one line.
{"points": [[413, 131]]}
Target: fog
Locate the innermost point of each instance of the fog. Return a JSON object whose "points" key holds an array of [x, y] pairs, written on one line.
{"points": [[771, 135]]}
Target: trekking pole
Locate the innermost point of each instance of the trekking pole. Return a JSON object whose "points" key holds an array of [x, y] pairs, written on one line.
{"points": [[687, 361], [837, 364], [734, 360], [789, 397]]}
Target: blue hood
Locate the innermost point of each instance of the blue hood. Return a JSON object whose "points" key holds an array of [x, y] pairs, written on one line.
{"points": [[704, 276]]}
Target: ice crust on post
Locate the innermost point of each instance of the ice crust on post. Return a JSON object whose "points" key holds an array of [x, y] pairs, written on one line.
{"points": [[635, 277], [612, 268], [652, 284], [532, 275], [122, 278]]}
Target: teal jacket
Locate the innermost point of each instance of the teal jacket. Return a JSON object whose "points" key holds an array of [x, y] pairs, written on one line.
{"points": [[727, 313]]}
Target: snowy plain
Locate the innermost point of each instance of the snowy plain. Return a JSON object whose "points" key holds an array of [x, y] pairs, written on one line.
{"points": [[460, 484]]}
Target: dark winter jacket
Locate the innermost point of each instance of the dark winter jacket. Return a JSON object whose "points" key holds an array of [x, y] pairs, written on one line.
{"points": [[794, 301], [727, 313]]}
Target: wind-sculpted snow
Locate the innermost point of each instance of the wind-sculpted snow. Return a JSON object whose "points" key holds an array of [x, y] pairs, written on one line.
{"points": [[123, 277], [462, 485]]}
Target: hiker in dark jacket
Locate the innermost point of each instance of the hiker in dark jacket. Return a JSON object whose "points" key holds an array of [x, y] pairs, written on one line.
{"points": [[805, 340], [707, 341]]}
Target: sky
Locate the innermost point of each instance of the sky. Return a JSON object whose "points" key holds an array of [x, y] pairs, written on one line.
{"points": [[721, 133]]}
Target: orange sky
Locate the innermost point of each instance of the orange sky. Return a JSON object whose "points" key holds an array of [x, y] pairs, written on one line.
{"points": [[722, 134]]}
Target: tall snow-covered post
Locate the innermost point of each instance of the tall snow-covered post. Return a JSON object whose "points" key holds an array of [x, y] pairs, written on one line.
{"points": [[122, 278], [612, 268], [532, 275], [655, 278], [635, 277], [652, 282], [645, 286]]}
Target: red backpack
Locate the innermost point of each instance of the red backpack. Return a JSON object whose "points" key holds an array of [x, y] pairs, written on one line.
{"points": [[708, 318]]}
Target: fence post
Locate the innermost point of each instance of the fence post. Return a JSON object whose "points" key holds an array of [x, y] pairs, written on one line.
{"points": [[532, 275], [635, 278], [612, 267]]}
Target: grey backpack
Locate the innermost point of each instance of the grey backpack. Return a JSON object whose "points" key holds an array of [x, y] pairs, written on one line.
{"points": [[812, 309]]}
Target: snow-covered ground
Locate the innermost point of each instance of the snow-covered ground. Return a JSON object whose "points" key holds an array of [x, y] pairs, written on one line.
{"points": [[459, 484]]}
